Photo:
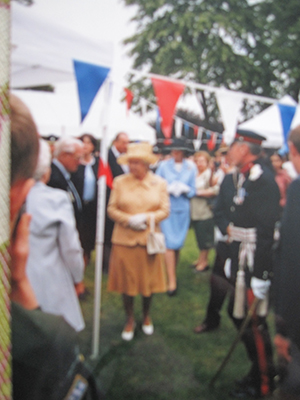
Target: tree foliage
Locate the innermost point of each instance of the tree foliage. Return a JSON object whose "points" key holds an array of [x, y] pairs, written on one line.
{"points": [[247, 45]]}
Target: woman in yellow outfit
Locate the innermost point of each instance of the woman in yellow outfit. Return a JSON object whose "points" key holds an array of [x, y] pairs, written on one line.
{"points": [[134, 197]]}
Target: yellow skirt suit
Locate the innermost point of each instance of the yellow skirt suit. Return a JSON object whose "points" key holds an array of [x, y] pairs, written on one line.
{"points": [[132, 271]]}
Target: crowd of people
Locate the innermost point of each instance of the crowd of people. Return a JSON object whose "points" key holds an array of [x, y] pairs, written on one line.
{"points": [[234, 201]]}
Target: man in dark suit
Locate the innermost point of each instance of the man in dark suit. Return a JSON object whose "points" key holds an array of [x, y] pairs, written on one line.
{"points": [[287, 278], [119, 146], [67, 155]]}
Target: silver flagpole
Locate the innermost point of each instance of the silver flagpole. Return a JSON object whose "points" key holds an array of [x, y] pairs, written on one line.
{"points": [[100, 225]]}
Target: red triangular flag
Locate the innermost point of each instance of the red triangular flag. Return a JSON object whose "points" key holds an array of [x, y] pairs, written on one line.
{"points": [[196, 130], [211, 144], [167, 94], [104, 170], [129, 98]]}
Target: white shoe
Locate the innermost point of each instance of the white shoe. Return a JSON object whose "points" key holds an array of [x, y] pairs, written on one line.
{"points": [[148, 329], [128, 335]]}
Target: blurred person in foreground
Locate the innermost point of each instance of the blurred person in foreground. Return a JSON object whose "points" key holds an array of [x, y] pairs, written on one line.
{"points": [[180, 175], [247, 210], [134, 197], [287, 278], [55, 263], [46, 361]]}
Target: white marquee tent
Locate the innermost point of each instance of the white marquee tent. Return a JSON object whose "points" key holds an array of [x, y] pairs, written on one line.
{"points": [[43, 54], [59, 113], [268, 123]]}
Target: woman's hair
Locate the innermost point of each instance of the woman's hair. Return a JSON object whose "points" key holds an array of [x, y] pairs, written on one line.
{"points": [[91, 138], [204, 154], [44, 160], [24, 140]]}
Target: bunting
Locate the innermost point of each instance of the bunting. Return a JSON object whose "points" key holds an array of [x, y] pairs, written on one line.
{"points": [[211, 143], [90, 78], [230, 104], [167, 94], [129, 98], [287, 113]]}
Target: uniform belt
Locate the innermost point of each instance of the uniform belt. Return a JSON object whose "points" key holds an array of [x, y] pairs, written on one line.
{"points": [[247, 237]]}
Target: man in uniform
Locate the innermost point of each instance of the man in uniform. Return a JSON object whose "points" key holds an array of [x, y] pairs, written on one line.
{"points": [[247, 209], [286, 279]]}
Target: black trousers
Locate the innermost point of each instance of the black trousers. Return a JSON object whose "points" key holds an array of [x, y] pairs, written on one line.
{"points": [[257, 341], [219, 287]]}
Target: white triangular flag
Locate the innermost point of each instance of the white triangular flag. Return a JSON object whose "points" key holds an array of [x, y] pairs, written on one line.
{"points": [[230, 104]]}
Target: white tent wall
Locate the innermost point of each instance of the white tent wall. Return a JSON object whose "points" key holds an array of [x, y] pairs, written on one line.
{"points": [[59, 113]]}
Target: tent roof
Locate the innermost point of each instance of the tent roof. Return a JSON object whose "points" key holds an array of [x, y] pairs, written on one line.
{"points": [[43, 53], [268, 123]]}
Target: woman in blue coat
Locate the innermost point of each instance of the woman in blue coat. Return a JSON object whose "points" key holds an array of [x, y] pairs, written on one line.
{"points": [[180, 175]]}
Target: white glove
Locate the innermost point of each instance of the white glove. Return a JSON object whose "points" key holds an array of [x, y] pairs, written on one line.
{"points": [[260, 287], [183, 187], [138, 222], [176, 188], [171, 188]]}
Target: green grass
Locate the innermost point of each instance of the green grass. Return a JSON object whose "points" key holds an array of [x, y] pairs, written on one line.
{"points": [[174, 363]]}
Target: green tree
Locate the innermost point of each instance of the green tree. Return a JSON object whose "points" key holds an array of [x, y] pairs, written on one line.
{"points": [[237, 44]]}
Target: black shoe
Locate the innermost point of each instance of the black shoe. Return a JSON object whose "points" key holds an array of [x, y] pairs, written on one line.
{"points": [[83, 296], [172, 293], [245, 381], [204, 328], [246, 392], [199, 271]]}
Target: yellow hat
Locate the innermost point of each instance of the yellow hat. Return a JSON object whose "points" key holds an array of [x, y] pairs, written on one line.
{"points": [[141, 151]]}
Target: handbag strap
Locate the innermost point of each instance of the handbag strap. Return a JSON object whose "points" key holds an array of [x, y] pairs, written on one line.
{"points": [[152, 223]]}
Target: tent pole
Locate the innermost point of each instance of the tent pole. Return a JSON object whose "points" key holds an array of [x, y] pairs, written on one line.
{"points": [[100, 227]]}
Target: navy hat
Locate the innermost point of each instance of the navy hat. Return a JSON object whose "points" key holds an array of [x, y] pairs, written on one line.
{"points": [[249, 137], [181, 144]]}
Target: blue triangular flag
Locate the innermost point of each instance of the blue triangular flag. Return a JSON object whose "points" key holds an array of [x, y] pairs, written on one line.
{"points": [[287, 113], [90, 78]]}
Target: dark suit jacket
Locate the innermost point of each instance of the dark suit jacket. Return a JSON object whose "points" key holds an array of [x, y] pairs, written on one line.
{"points": [[58, 181], [87, 228]]}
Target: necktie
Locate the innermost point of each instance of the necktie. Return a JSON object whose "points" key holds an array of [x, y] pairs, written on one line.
{"points": [[75, 194]]}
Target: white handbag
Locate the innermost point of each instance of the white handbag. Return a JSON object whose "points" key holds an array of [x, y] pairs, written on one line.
{"points": [[156, 240]]}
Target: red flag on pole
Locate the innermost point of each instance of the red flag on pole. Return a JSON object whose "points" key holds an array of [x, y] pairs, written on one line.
{"points": [[129, 98], [104, 170], [167, 94]]}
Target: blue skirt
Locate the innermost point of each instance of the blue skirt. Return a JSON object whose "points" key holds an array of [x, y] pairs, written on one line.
{"points": [[175, 228]]}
